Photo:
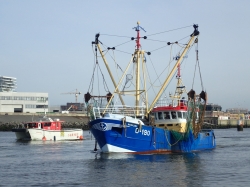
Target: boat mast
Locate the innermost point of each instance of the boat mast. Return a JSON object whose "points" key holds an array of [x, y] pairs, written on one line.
{"points": [[139, 56], [180, 88], [96, 42], [193, 35]]}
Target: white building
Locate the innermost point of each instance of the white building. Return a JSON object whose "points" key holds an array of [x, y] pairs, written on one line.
{"points": [[22, 102], [7, 84]]}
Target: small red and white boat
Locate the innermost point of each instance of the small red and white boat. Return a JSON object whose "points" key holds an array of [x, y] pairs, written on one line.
{"points": [[46, 129]]}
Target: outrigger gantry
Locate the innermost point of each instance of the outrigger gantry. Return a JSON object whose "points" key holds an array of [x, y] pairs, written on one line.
{"points": [[174, 127]]}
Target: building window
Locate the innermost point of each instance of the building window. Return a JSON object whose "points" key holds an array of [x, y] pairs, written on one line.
{"points": [[16, 98], [41, 106], [30, 106]]}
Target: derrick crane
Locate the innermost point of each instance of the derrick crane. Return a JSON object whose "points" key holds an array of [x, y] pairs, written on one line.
{"points": [[76, 93]]}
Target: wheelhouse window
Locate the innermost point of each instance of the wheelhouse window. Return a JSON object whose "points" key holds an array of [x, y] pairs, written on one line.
{"points": [[31, 125], [173, 114], [160, 115], [155, 114], [47, 124], [166, 115], [184, 115], [179, 115]]}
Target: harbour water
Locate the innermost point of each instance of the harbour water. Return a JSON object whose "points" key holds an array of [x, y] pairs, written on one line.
{"points": [[73, 163]]}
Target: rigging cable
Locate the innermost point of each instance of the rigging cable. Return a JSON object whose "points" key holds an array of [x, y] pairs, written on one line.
{"points": [[170, 61], [92, 78], [195, 69], [158, 76], [145, 37], [115, 35], [104, 81], [97, 74], [95, 69], [150, 34], [197, 58], [170, 30]]}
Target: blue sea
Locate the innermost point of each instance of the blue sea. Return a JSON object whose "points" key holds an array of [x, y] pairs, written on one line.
{"points": [[73, 163]]}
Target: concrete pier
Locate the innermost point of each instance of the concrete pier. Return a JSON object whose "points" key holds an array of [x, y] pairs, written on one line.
{"points": [[224, 124]]}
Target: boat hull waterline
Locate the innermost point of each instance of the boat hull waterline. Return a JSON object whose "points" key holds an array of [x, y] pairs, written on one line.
{"points": [[111, 136], [41, 134]]}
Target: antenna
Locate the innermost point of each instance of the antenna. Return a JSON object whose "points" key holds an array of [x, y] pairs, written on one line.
{"points": [[137, 29], [76, 94]]}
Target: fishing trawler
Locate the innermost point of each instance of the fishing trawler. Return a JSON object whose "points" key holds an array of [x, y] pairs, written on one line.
{"points": [[147, 127]]}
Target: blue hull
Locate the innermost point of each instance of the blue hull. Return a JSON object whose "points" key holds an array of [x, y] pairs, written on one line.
{"points": [[112, 136]]}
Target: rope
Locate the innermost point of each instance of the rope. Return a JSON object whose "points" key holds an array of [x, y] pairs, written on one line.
{"points": [[92, 78], [197, 58], [159, 48], [184, 38], [104, 81], [170, 30], [112, 55], [147, 39], [197, 64], [150, 34], [168, 140], [123, 43], [115, 35], [159, 74]]}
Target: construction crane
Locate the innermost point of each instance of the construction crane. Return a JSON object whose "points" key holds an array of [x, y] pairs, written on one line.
{"points": [[76, 94]]}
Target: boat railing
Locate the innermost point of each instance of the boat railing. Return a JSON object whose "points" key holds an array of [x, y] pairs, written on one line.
{"points": [[174, 103], [137, 112]]}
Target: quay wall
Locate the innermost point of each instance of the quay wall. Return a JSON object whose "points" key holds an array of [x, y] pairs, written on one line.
{"points": [[12, 120], [232, 123], [214, 122], [78, 120]]}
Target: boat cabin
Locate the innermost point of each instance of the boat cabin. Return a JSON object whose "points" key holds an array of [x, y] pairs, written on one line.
{"points": [[46, 125], [171, 117]]}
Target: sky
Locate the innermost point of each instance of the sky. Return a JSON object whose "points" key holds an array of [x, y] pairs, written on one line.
{"points": [[46, 44]]}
